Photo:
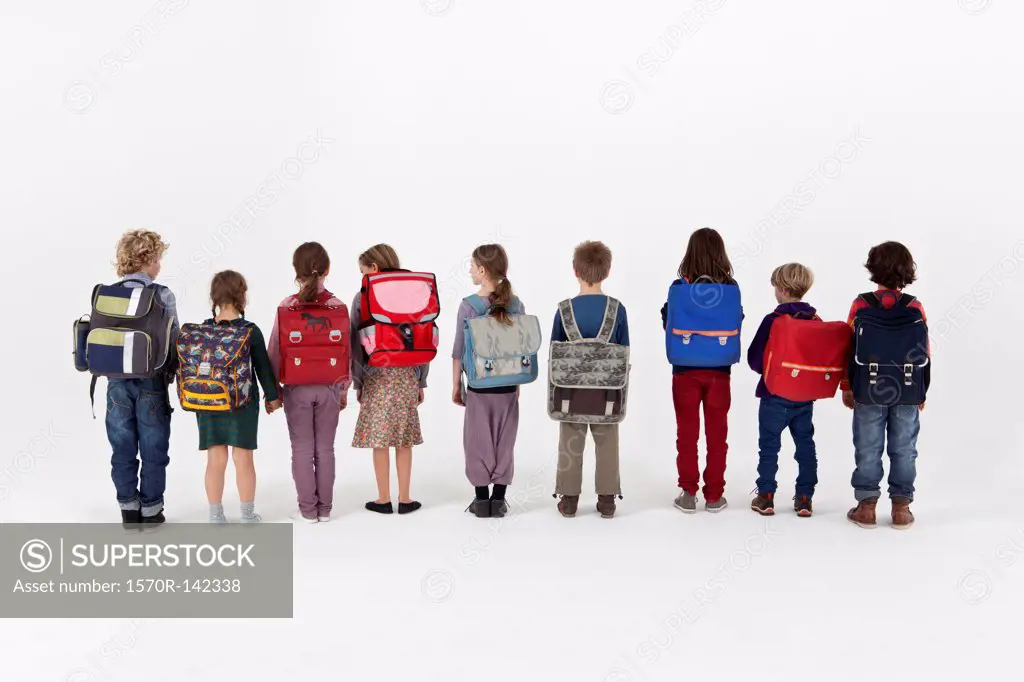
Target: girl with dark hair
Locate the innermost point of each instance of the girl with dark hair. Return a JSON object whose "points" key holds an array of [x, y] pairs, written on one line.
{"points": [[312, 410], [705, 261], [238, 430]]}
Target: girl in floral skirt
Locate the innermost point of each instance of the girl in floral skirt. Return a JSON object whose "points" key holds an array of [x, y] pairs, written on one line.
{"points": [[388, 401]]}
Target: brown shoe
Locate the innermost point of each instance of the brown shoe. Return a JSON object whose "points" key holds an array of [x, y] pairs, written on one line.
{"points": [[567, 505], [606, 505], [864, 513], [901, 516]]}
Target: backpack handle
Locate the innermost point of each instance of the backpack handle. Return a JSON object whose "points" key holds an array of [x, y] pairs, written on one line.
{"points": [[132, 279]]}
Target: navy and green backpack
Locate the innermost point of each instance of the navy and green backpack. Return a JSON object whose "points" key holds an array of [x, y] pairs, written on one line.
{"points": [[128, 334]]}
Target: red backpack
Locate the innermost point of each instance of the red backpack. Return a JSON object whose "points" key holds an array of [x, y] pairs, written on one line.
{"points": [[314, 342], [396, 318], [806, 359]]}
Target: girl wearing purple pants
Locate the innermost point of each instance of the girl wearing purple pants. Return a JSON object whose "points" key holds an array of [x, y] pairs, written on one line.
{"points": [[312, 411], [492, 414]]}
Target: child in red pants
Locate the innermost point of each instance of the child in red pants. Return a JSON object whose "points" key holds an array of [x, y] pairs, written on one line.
{"points": [[693, 387]]}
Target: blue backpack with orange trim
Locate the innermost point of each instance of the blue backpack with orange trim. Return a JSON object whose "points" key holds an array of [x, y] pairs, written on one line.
{"points": [[702, 324]]}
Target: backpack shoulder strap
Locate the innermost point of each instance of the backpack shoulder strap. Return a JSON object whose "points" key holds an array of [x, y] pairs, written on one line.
{"points": [[611, 315], [905, 300], [478, 303], [871, 298], [572, 331]]}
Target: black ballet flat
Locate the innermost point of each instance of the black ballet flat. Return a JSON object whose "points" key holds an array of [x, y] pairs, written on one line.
{"points": [[408, 507], [382, 507]]}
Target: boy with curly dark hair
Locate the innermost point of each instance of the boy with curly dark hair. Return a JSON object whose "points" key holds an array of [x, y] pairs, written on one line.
{"points": [[892, 268]]}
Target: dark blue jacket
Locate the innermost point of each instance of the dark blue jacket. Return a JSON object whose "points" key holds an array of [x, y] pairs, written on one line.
{"points": [[755, 354]]}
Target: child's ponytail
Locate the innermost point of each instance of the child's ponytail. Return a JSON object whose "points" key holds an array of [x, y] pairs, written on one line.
{"points": [[493, 259], [311, 262]]}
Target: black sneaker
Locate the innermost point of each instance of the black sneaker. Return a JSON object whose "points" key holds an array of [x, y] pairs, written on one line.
{"points": [[151, 524], [380, 507], [408, 507], [764, 504], [802, 506], [131, 520], [498, 508], [480, 508]]}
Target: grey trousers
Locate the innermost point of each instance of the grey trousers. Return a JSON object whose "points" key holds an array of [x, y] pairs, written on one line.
{"points": [[489, 437], [572, 440]]}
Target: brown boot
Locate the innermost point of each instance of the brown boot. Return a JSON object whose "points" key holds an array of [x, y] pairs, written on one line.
{"points": [[567, 505], [606, 505], [864, 513], [901, 516]]}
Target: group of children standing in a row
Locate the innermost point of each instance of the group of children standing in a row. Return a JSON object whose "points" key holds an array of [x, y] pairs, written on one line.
{"points": [[138, 410]]}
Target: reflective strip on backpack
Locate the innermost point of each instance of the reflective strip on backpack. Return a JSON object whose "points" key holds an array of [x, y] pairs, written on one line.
{"points": [[133, 302], [128, 352]]}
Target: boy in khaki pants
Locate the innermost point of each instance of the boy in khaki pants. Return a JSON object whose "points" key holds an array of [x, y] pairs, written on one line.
{"points": [[592, 263]]}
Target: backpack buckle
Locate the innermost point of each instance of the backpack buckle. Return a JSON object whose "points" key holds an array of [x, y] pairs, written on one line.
{"points": [[795, 373], [722, 340], [295, 337], [335, 335], [298, 361], [488, 365], [908, 375], [205, 369], [828, 375], [334, 362], [526, 361], [872, 371], [686, 339]]}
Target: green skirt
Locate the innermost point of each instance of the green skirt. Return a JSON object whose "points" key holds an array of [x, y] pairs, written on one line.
{"points": [[237, 429]]}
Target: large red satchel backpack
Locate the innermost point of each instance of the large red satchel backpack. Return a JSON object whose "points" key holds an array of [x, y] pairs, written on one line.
{"points": [[396, 318], [314, 342], [805, 359]]}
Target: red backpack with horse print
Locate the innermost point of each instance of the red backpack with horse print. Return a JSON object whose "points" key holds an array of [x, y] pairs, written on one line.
{"points": [[314, 342]]}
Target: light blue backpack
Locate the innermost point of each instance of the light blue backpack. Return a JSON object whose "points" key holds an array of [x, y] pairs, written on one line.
{"points": [[499, 354]]}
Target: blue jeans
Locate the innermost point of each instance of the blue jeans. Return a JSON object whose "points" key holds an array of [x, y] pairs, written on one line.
{"points": [[139, 423], [775, 415], [871, 424]]}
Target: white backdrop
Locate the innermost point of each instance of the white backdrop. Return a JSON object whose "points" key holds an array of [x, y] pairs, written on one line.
{"points": [[802, 131]]}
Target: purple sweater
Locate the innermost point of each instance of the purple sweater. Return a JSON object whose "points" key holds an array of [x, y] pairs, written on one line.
{"points": [[755, 354]]}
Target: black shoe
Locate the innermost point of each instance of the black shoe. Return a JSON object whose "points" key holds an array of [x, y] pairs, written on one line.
{"points": [[380, 507], [150, 524], [498, 508], [802, 506], [764, 504], [408, 507], [480, 508], [131, 519]]}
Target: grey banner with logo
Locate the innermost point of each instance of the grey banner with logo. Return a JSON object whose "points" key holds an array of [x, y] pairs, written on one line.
{"points": [[81, 570]]}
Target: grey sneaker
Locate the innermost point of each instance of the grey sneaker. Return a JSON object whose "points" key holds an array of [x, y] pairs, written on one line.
{"points": [[716, 506], [686, 503], [254, 518]]}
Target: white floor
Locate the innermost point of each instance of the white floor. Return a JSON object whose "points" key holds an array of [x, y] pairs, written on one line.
{"points": [[649, 595]]}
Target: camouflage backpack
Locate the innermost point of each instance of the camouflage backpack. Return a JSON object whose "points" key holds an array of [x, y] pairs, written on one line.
{"points": [[587, 378]]}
